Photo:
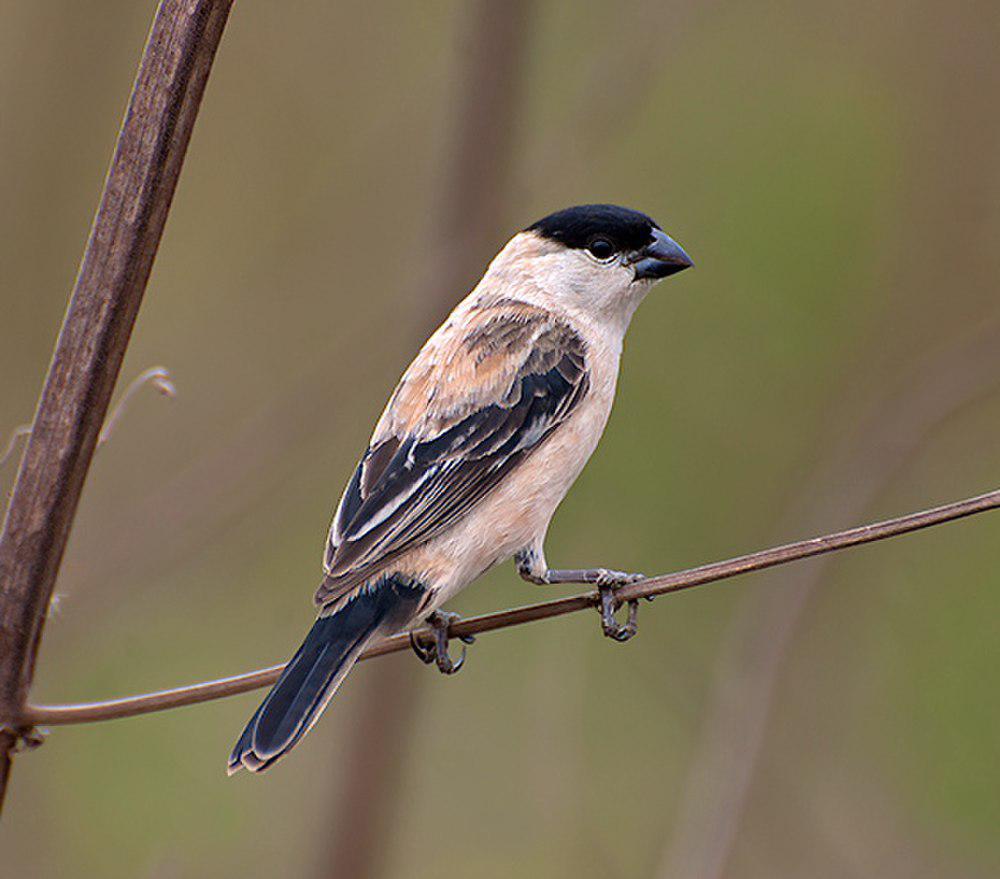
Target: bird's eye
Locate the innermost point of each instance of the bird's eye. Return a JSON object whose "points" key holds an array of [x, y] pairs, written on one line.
{"points": [[601, 248]]}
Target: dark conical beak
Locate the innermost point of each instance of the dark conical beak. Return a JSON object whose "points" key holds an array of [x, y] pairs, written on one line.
{"points": [[660, 258]]}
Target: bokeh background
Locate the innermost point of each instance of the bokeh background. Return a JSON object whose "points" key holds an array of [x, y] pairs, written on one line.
{"points": [[834, 169]]}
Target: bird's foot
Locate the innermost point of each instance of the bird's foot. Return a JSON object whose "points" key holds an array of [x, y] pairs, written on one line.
{"points": [[607, 583], [435, 649]]}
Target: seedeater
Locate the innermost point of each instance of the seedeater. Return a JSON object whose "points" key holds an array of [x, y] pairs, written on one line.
{"points": [[479, 443]]}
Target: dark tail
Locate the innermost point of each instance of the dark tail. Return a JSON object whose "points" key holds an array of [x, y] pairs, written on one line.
{"points": [[316, 671]]}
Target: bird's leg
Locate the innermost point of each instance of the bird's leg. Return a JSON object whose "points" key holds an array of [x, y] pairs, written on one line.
{"points": [[532, 567], [436, 651]]}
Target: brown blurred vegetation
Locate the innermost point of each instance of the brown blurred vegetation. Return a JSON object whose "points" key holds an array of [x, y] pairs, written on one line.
{"points": [[834, 171]]}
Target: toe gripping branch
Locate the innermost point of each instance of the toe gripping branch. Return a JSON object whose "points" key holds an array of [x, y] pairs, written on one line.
{"points": [[609, 624], [607, 584], [435, 648]]}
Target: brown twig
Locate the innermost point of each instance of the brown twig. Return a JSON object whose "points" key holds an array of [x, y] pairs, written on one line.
{"points": [[102, 311], [649, 588], [157, 376]]}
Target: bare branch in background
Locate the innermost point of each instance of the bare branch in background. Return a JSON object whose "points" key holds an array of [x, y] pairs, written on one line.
{"points": [[648, 588], [475, 199], [102, 311], [476, 191], [367, 794]]}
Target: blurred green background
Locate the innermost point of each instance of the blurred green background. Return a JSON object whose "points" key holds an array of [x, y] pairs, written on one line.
{"points": [[834, 170]]}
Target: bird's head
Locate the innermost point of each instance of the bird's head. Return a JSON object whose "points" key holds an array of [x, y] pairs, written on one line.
{"points": [[598, 257]]}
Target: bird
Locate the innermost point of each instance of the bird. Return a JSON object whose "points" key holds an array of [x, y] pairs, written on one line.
{"points": [[479, 443]]}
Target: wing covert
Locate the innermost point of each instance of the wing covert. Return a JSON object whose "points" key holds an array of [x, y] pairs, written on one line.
{"points": [[411, 485]]}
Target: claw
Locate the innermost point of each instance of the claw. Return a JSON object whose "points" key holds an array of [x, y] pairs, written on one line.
{"points": [[437, 650], [609, 605], [425, 652]]}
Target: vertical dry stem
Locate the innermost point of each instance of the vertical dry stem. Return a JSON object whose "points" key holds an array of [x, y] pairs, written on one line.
{"points": [[95, 333]]}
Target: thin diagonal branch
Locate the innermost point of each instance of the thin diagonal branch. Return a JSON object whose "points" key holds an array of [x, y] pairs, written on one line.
{"points": [[95, 332], [649, 588], [730, 742]]}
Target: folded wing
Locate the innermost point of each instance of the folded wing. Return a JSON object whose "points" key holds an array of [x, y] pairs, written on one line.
{"points": [[472, 407]]}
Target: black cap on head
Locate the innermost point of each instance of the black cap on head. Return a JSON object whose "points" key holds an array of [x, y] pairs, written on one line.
{"points": [[579, 226]]}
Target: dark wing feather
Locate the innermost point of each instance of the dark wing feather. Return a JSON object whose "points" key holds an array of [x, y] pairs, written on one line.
{"points": [[407, 490]]}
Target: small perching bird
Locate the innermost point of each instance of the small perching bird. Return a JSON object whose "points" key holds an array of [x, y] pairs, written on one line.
{"points": [[479, 443]]}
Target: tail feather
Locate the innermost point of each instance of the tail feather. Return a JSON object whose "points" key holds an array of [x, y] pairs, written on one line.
{"points": [[319, 666]]}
